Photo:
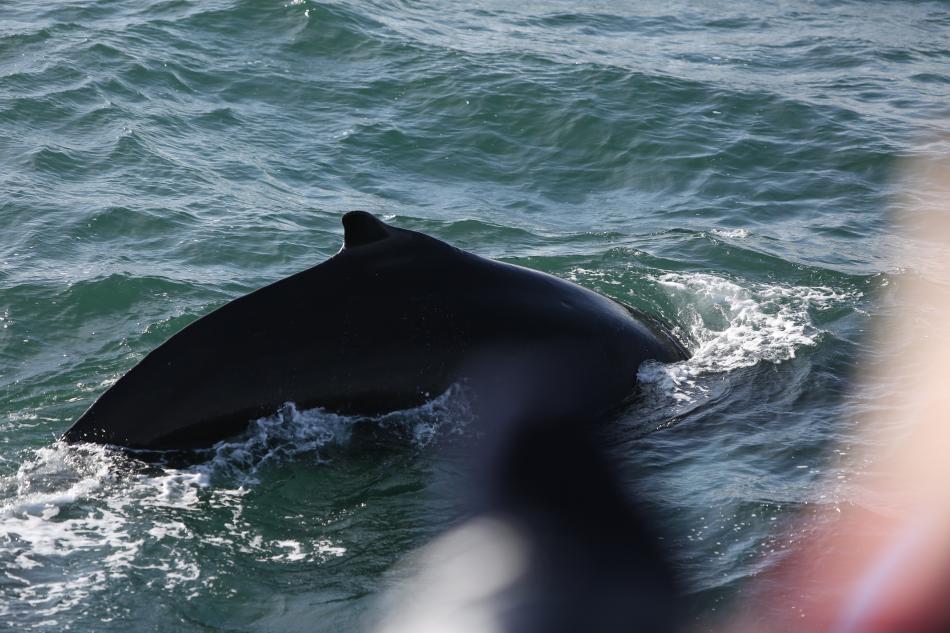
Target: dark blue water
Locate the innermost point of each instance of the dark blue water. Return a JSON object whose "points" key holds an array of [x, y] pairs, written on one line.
{"points": [[732, 167]]}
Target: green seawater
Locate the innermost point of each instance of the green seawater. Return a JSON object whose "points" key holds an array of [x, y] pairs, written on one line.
{"points": [[732, 167]]}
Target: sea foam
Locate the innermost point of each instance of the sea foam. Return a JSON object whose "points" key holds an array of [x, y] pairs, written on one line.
{"points": [[734, 324]]}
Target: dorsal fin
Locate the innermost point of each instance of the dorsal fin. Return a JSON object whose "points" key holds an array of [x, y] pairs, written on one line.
{"points": [[361, 228]]}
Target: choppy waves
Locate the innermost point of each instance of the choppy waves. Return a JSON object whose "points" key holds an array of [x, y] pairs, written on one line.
{"points": [[727, 168]]}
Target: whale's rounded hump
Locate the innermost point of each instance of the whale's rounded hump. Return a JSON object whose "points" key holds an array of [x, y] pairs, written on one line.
{"points": [[361, 228], [396, 317]]}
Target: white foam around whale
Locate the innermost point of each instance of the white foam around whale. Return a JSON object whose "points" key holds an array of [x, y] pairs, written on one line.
{"points": [[735, 324], [77, 518]]}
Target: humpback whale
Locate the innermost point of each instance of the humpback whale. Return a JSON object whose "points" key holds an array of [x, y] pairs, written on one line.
{"points": [[392, 320]]}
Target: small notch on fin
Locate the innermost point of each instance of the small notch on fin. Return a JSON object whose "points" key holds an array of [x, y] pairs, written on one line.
{"points": [[361, 228]]}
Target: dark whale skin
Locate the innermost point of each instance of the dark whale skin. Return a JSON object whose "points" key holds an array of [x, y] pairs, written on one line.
{"points": [[392, 320]]}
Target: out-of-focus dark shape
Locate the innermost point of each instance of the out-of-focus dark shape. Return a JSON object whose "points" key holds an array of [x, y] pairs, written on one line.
{"points": [[594, 562], [555, 545]]}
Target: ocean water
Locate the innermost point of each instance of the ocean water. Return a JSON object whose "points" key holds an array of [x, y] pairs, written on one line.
{"points": [[731, 166]]}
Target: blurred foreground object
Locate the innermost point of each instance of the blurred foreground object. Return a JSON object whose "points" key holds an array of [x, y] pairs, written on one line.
{"points": [[884, 567], [554, 547]]}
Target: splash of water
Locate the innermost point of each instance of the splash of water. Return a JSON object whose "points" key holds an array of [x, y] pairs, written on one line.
{"points": [[735, 325]]}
